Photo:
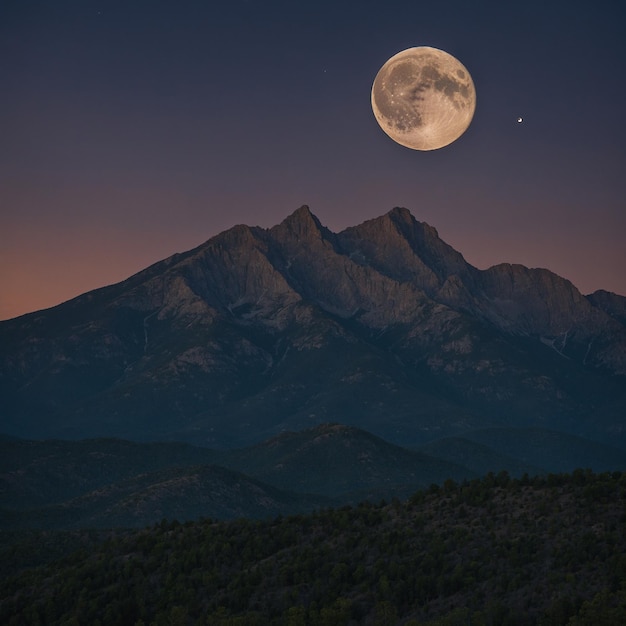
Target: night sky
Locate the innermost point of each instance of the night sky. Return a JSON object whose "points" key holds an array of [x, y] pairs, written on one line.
{"points": [[133, 130]]}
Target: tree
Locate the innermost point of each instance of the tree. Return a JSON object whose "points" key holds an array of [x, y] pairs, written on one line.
{"points": [[385, 614]]}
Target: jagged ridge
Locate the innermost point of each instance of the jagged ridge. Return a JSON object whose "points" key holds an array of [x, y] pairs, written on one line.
{"points": [[382, 326]]}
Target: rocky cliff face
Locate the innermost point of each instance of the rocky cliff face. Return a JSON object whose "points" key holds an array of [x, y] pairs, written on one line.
{"points": [[383, 326]]}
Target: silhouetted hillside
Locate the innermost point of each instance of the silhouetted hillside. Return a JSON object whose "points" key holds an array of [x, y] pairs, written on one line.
{"points": [[109, 482], [341, 462]]}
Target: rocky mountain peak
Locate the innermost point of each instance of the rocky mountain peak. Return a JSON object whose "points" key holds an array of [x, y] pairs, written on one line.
{"points": [[401, 214], [238, 235], [610, 303], [408, 250], [381, 325], [536, 300], [301, 224], [406, 224]]}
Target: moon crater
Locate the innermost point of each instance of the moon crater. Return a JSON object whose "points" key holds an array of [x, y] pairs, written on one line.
{"points": [[423, 98]]}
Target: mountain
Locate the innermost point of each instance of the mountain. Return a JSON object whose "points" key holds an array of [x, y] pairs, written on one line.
{"points": [[551, 451], [108, 482], [100, 482], [35, 474], [183, 494], [382, 326], [481, 458], [521, 451], [342, 462], [610, 303]]}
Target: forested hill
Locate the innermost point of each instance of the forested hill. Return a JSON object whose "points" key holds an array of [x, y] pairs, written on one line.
{"points": [[546, 550]]}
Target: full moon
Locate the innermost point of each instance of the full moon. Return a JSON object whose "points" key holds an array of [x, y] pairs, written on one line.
{"points": [[423, 98]]}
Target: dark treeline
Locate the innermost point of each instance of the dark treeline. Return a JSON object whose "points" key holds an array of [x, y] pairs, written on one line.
{"points": [[547, 550]]}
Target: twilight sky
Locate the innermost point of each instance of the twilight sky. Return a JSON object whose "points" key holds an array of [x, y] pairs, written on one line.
{"points": [[131, 130]]}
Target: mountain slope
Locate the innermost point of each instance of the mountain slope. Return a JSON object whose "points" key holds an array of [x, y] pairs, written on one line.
{"points": [[525, 451], [35, 474], [382, 326], [339, 461], [105, 482], [481, 458], [549, 450], [67, 484], [184, 494]]}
